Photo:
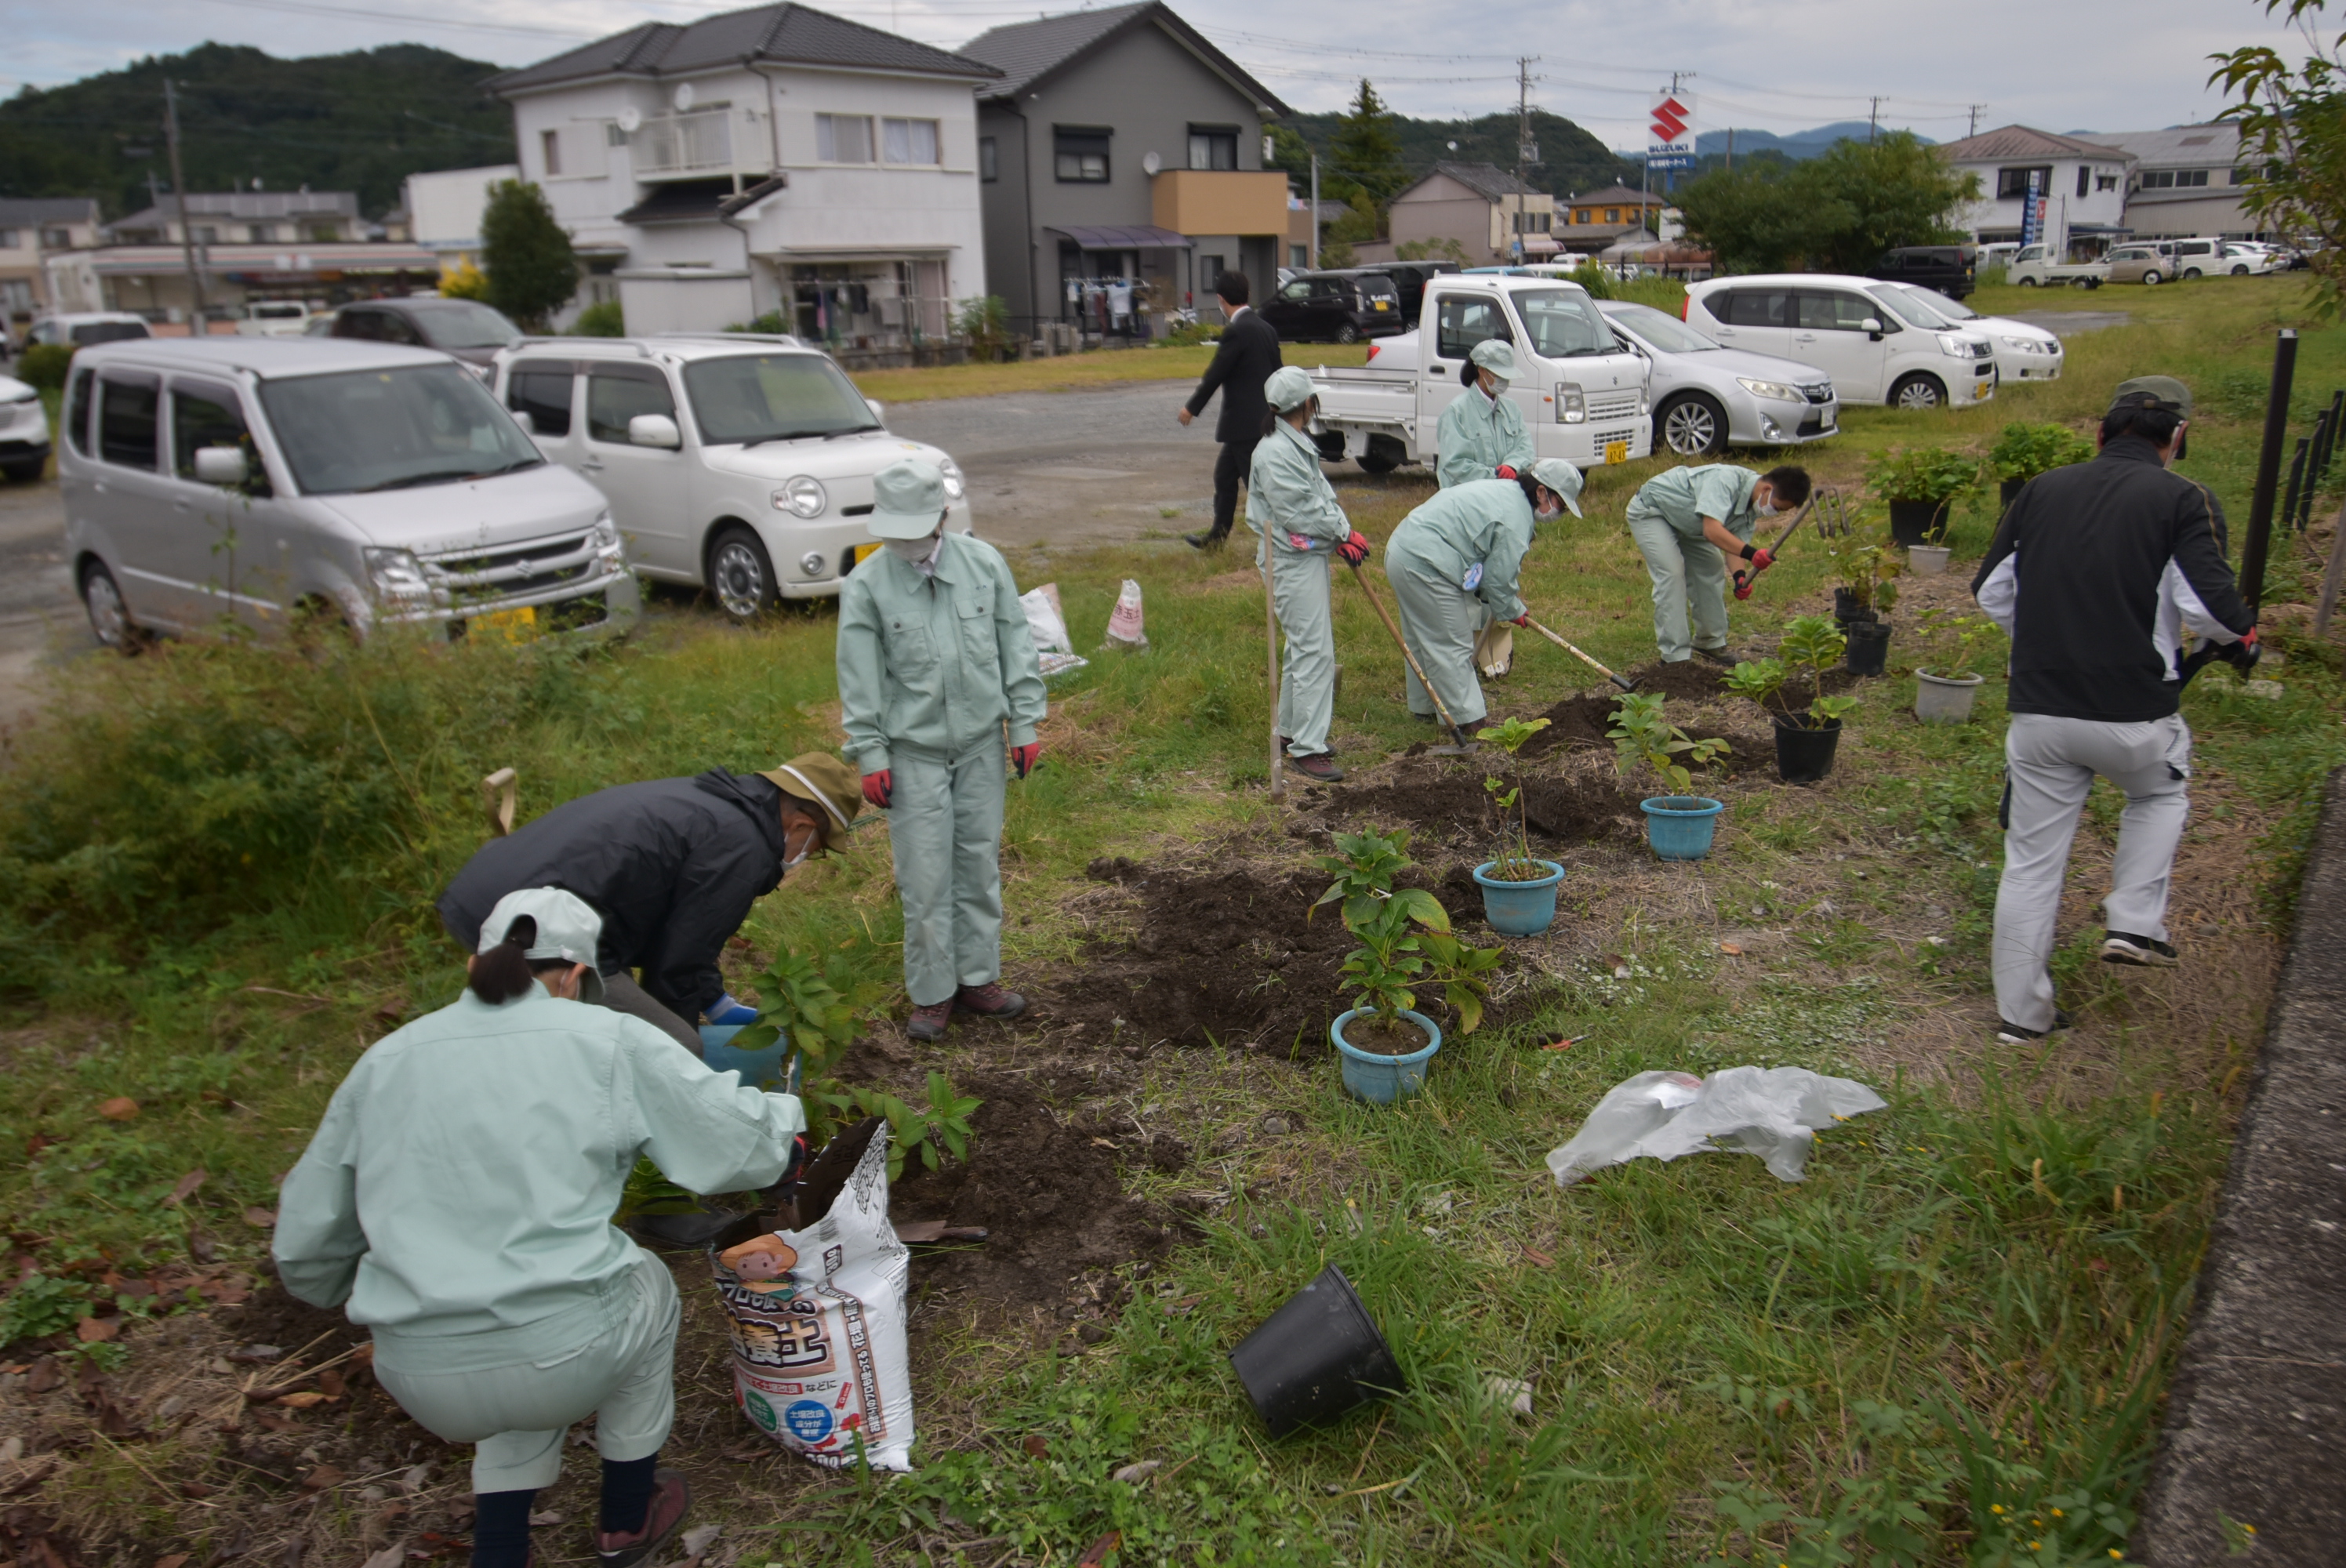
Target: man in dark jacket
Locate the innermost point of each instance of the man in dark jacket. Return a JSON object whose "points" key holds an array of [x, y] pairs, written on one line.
{"points": [[673, 866], [1248, 354], [2096, 571]]}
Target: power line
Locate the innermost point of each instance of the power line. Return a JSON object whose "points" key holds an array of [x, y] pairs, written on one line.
{"points": [[407, 19]]}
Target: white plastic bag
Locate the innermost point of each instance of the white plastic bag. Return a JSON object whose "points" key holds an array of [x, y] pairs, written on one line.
{"points": [[821, 1357], [1044, 619], [1772, 1113], [1124, 623]]}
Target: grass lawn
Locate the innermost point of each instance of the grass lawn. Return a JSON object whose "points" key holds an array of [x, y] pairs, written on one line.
{"points": [[1948, 1344]]}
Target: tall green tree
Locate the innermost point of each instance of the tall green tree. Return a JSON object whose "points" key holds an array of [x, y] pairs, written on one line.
{"points": [[532, 272], [1367, 151], [2292, 123], [1836, 212]]}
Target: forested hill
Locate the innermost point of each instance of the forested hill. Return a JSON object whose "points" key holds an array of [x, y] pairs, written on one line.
{"points": [[361, 121], [1571, 159]]}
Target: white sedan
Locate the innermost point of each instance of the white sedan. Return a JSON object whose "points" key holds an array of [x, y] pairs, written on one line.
{"points": [[2022, 350]]}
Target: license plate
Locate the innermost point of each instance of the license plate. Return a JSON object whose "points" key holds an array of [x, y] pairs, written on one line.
{"points": [[1617, 452], [1382, 306], [1986, 390], [856, 553], [514, 625]]}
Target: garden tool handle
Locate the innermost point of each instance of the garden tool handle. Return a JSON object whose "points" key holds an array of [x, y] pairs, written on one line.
{"points": [[1457, 736], [1747, 581], [1624, 683]]}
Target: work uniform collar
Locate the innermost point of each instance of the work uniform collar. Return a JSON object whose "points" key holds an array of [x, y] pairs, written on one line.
{"points": [[948, 554]]}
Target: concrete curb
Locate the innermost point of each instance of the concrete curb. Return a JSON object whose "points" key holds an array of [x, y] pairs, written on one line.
{"points": [[2255, 1424]]}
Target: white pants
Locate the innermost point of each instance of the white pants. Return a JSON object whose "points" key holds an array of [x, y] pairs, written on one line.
{"points": [[2052, 763]]}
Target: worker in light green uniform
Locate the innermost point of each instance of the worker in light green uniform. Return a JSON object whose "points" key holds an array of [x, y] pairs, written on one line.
{"points": [[1482, 433], [1461, 552], [1290, 503], [934, 658], [1687, 521]]}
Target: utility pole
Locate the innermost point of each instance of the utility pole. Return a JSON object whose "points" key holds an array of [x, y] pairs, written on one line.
{"points": [[1975, 109], [1525, 152], [1315, 212], [1872, 121], [1731, 150], [179, 192]]}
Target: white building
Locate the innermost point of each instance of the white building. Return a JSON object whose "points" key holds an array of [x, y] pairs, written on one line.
{"points": [[777, 159], [2083, 184], [2187, 183], [443, 210]]}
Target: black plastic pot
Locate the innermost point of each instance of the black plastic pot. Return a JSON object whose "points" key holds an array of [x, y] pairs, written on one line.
{"points": [[1847, 610], [1869, 646], [1913, 522], [1804, 751], [1315, 1359]]}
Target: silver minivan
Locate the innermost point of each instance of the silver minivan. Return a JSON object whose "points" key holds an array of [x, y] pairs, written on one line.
{"points": [[249, 480]]}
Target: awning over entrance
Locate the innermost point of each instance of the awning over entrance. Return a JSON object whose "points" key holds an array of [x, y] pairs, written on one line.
{"points": [[1124, 237]]}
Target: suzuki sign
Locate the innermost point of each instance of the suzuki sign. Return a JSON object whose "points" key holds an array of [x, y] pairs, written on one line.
{"points": [[1670, 132]]}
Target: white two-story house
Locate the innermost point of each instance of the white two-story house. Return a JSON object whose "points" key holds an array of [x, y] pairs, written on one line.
{"points": [[2082, 184], [774, 162]]}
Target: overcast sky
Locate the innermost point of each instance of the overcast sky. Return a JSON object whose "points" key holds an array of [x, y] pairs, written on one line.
{"points": [[1782, 66]]}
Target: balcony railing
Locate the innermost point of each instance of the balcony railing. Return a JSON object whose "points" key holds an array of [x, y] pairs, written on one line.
{"points": [[675, 145]]}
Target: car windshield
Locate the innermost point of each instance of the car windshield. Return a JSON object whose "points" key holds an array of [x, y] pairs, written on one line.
{"points": [[751, 398], [1562, 324], [1660, 329], [88, 332], [464, 324], [1906, 307], [1938, 304], [392, 429]]}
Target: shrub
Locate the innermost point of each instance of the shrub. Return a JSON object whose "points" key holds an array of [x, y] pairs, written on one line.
{"points": [[1921, 474], [44, 366], [466, 282], [532, 270], [604, 319], [984, 323], [2025, 451]]}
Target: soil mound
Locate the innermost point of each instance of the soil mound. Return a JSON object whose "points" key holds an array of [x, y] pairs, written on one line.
{"points": [[1454, 804], [1576, 721], [1696, 678]]}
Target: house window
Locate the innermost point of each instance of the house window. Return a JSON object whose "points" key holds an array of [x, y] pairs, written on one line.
{"points": [[989, 161], [1213, 147], [1080, 157], [2085, 177], [843, 138], [2174, 179], [909, 142], [1585, 215], [1531, 222], [2110, 182], [549, 144], [261, 234], [2244, 176], [2014, 181], [62, 239], [325, 232], [9, 239], [1612, 215], [207, 235]]}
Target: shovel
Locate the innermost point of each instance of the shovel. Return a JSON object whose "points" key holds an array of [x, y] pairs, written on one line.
{"points": [[1832, 522], [1460, 746], [1624, 682]]}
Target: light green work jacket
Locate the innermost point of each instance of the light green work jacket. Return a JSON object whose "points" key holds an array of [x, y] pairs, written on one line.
{"points": [[1485, 520], [1287, 495], [1683, 497], [1476, 435], [458, 1194], [935, 663]]}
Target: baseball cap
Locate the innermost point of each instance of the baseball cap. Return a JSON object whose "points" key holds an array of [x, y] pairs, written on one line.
{"points": [[908, 500], [821, 779], [1561, 477], [2162, 392], [1494, 355], [1288, 388], [568, 929]]}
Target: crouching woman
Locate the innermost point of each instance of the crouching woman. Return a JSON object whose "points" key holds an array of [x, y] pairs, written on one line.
{"points": [[457, 1201]]}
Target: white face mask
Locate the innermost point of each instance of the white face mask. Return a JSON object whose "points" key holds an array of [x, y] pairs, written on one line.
{"points": [[917, 550], [1547, 513], [1766, 508]]}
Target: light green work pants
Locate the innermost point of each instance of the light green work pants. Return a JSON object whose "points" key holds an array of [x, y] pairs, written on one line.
{"points": [[1438, 621], [944, 827], [1307, 671], [516, 1415], [1690, 579]]}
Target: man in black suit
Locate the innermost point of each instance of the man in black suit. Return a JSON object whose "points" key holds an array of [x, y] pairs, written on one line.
{"points": [[1248, 354]]}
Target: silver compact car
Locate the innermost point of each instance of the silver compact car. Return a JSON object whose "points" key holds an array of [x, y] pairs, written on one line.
{"points": [[1708, 397]]}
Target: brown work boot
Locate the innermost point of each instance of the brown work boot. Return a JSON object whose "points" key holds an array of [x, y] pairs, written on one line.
{"points": [[1318, 767], [671, 1496], [929, 1023], [990, 1001]]}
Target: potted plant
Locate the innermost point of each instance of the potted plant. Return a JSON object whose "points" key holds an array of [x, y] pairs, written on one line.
{"points": [[1806, 739], [1867, 592], [1943, 696], [1518, 888], [1920, 482], [2025, 451], [804, 1026], [1678, 825]]}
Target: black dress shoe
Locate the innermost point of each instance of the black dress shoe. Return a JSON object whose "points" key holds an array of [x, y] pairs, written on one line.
{"points": [[1206, 541]]}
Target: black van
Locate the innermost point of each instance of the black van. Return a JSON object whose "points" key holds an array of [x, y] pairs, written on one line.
{"points": [[1336, 308], [1946, 269], [1410, 278]]}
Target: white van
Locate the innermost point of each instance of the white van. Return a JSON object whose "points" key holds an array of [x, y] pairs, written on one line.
{"points": [[1876, 344], [221, 481]]}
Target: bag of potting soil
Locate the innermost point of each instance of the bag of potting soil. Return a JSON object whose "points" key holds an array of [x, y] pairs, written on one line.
{"points": [[1124, 622], [1048, 625], [817, 1320]]}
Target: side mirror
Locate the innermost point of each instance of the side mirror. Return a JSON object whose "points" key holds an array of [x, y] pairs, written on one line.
{"points": [[879, 414], [221, 465], [654, 430], [523, 418]]}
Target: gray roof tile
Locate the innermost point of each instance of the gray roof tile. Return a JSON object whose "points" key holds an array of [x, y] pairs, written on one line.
{"points": [[1026, 52], [786, 34], [2025, 141]]}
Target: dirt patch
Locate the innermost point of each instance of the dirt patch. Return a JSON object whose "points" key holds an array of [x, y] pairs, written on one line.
{"points": [[1454, 803], [1579, 720], [1697, 679]]}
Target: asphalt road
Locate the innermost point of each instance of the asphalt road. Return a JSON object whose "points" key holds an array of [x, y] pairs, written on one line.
{"points": [[41, 621]]}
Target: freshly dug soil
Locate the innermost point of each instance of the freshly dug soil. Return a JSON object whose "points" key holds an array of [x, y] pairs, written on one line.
{"points": [[1384, 1036], [1579, 720], [1454, 802], [1695, 678]]}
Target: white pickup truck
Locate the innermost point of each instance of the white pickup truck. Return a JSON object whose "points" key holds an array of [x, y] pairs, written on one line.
{"points": [[2032, 268], [1583, 396]]}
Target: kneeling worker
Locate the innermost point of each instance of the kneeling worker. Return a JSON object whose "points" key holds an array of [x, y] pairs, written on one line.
{"points": [[1292, 504], [671, 867], [934, 660], [457, 1201], [1458, 557], [1687, 521]]}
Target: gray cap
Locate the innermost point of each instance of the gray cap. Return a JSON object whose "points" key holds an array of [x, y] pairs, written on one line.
{"points": [[1288, 388], [1562, 478], [1494, 355], [2162, 392], [908, 500], [568, 929]]}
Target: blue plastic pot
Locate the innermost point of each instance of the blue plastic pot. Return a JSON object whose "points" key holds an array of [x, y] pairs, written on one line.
{"points": [[1519, 908], [1679, 827], [759, 1069], [1384, 1079]]}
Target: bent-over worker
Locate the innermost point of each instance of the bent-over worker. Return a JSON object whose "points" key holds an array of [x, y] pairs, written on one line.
{"points": [[1480, 434], [671, 868], [1687, 521], [1292, 504], [935, 660], [457, 1200], [1460, 553]]}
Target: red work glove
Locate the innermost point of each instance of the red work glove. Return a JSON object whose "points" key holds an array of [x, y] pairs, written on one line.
{"points": [[1355, 549], [878, 787], [1024, 757], [2250, 636], [1760, 561], [1523, 620], [1507, 470]]}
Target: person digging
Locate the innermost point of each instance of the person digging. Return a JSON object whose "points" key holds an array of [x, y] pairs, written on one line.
{"points": [[1687, 521], [457, 1200], [1290, 503], [1459, 556], [935, 660]]}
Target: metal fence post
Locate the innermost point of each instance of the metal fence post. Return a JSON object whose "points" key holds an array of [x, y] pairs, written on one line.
{"points": [[2259, 540], [2296, 480]]}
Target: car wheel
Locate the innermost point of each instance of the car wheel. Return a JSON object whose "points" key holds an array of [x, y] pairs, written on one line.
{"points": [[741, 575], [2240, 272], [2028, 282], [1692, 426], [2081, 282], [1918, 391], [1347, 334], [1382, 454], [2192, 273], [2152, 279], [109, 618]]}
